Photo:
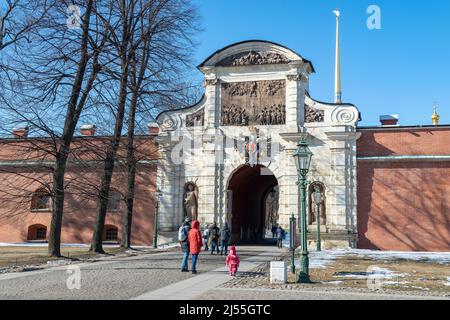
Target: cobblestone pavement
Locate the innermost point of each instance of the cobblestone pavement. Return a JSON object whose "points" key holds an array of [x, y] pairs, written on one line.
{"points": [[123, 278]]}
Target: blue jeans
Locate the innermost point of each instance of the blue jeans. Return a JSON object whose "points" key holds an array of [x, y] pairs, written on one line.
{"points": [[223, 245], [214, 246], [184, 263], [194, 261]]}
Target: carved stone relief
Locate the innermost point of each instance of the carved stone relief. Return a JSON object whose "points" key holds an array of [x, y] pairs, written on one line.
{"points": [[296, 77], [313, 115], [210, 82], [195, 119], [254, 103], [254, 58]]}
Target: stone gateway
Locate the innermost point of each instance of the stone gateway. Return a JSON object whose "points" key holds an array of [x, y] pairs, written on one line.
{"points": [[256, 102]]}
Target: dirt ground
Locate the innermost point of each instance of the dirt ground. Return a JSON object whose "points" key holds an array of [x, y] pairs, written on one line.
{"points": [[360, 273], [26, 256]]}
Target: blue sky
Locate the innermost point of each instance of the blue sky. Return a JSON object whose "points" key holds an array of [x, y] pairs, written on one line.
{"points": [[400, 69]]}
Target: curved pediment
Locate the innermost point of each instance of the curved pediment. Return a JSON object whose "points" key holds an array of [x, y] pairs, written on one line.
{"points": [[254, 52]]}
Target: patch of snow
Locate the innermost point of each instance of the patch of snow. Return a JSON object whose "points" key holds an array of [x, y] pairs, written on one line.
{"points": [[352, 275], [332, 282], [395, 282], [321, 259], [44, 244], [434, 257], [447, 282], [378, 273], [415, 287], [60, 262]]}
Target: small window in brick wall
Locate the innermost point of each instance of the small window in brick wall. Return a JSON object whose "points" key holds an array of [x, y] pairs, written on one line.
{"points": [[41, 233], [37, 232], [40, 201], [111, 233], [114, 200]]}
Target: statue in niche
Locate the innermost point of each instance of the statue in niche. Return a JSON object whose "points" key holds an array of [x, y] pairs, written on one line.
{"points": [[272, 204], [190, 201], [313, 206]]}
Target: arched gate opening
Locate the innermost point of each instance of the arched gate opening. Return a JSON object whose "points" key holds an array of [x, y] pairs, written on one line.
{"points": [[248, 190]]}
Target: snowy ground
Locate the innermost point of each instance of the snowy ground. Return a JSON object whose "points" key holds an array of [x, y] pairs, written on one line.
{"points": [[420, 271], [326, 257]]}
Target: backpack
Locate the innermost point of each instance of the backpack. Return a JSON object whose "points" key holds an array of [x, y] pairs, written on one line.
{"points": [[182, 234]]}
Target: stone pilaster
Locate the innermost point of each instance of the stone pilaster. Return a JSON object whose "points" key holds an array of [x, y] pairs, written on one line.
{"points": [[342, 189]]}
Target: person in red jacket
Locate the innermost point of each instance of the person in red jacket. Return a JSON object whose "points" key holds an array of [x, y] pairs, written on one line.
{"points": [[195, 244], [232, 261]]}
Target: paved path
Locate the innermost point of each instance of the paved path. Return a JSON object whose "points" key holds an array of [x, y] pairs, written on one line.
{"points": [[123, 278], [193, 288]]}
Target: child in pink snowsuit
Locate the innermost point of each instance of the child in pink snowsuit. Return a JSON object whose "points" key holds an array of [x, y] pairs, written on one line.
{"points": [[232, 261]]}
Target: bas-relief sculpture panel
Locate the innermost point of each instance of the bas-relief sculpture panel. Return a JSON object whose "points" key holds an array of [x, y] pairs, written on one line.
{"points": [[313, 115], [196, 119], [253, 57], [253, 103]]}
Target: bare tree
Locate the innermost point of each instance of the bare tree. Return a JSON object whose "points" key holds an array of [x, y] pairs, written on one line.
{"points": [[18, 18], [52, 77], [160, 41]]}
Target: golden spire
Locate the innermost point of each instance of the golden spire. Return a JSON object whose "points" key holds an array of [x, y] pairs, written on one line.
{"points": [[337, 71], [435, 116]]}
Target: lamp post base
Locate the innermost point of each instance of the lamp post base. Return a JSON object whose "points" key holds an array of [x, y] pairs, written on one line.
{"points": [[303, 276]]}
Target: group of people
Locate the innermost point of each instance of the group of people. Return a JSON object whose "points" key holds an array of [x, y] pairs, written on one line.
{"points": [[191, 242], [213, 237]]}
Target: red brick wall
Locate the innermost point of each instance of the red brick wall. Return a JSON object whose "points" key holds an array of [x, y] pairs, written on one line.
{"points": [[404, 205], [17, 185]]}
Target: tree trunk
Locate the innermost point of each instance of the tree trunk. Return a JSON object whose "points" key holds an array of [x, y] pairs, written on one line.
{"points": [[54, 241], [96, 243], [131, 173], [125, 54], [73, 113]]}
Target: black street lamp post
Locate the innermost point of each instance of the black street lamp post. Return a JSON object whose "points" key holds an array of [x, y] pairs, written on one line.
{"points": [[158, 194], [302, 156]]}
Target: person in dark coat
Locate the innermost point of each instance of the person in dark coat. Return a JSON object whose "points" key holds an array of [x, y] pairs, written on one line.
{"points": [[184, 243], [280, 236], [214, 237], [274, 231], [195, 243], [225, 235]]}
